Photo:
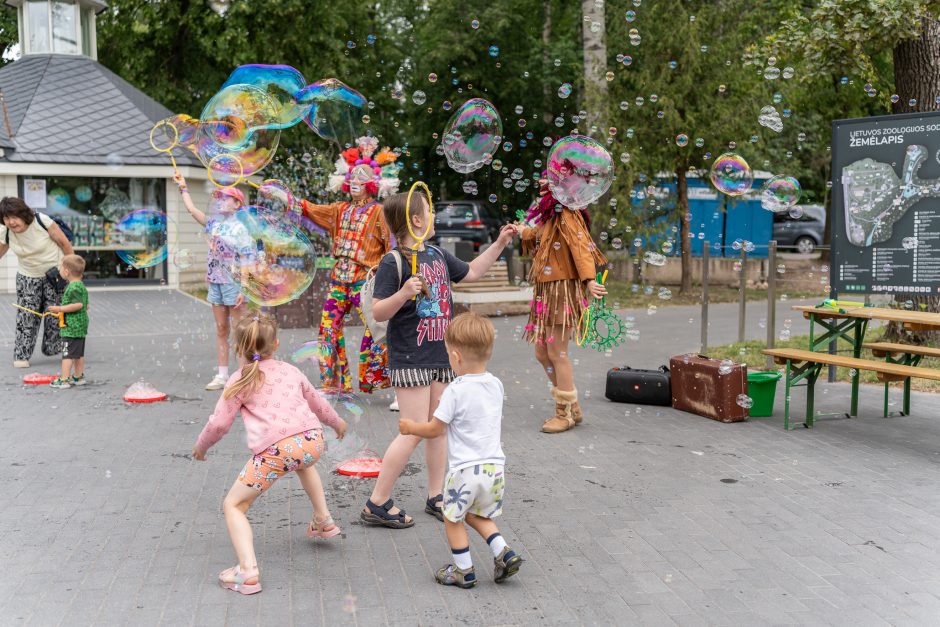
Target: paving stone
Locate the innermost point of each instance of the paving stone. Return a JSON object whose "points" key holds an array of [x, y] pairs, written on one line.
{"points": [[621, 521]]}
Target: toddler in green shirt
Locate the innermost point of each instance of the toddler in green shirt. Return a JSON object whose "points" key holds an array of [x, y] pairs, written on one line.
{"points": [[75, 327]]}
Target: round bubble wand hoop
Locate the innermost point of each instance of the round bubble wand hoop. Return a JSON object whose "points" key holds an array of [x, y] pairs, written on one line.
{"points": [[226, 170], [164, 137], [418, 239]]}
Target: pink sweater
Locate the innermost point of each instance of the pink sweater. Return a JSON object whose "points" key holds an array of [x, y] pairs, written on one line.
{"points": [[285, 404]]}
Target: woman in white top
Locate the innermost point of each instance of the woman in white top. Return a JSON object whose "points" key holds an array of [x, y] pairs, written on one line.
{"points": [[39, 244]]}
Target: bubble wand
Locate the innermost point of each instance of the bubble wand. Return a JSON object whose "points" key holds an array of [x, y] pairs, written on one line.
{"points": [[599, 327], [60, 315], [164, 137], [418, 240], [227, 166]]}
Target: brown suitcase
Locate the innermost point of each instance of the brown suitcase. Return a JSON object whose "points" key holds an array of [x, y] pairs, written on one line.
{"points": [[699, 388]]}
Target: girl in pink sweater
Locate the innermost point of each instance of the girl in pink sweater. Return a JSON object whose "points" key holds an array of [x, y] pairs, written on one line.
{"points": [[282, 413]]}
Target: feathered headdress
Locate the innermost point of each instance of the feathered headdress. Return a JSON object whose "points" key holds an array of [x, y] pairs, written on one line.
{"points": [[361, 164]]}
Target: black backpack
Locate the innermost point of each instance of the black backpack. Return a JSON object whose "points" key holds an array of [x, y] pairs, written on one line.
{"points": [[66, 229]]}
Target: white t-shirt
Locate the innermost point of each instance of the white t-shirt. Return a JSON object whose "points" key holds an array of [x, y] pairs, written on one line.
{"points": [[472, 407], [34, 249]]}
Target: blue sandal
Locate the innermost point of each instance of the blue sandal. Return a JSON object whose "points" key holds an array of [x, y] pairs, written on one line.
{"points": [[435, 507], [379, 515]]}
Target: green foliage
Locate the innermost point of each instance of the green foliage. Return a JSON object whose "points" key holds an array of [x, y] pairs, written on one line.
{"points": [[8, 33]]}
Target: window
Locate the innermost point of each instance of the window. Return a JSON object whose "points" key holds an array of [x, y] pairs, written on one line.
{"points": [[64, 27], [92, 207], [88, 19], [37, 25]]}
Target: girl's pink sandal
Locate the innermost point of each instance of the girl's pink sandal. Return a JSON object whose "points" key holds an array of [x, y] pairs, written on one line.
{"points": [[323, 529], [240, 580]]}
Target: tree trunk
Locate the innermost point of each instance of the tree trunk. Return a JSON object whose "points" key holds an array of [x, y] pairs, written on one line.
{"points": [[547, 107], [685, 239], [917, 76], [595, 67]]}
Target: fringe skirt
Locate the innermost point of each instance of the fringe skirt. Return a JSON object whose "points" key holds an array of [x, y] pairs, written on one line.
{"points": [[554, 303]]}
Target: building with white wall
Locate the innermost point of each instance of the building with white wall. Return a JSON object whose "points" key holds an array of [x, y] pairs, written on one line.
{"points": [[75, 142]]}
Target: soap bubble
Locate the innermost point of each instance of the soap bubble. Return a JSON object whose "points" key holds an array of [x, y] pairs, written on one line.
{"points": [[143, 392], [281, 83], [432, 77], [183, 258], [665, 293], [564, 91], [272, 262], [313, 351], [780, 193], [770, 118], [795, 212], [274, 199], [667, 247], [419, 97], [472, 135], [682, 140], [726, 366], [140, 237], [909, 243], [654, 258], [336, 111], [580, 171], [731, 175], [475, 24], [745, 401], [236, 112], [494, 51]]}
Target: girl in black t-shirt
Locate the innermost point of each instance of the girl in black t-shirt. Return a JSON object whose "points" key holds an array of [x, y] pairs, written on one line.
{"points": [[419, 308]]}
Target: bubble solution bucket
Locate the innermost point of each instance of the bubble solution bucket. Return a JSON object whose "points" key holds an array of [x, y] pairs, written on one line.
{"points": [[762, 388]]}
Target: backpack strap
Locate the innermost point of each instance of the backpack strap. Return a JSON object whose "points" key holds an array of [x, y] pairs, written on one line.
{"points": [[38, 219]]}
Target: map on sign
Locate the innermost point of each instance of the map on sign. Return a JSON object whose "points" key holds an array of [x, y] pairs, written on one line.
{"points": [[875, 198]]}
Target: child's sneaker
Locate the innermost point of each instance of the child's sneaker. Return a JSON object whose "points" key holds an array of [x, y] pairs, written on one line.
{"points": [[217, 383], [60, 383], [78, 380], [450, 575], [506, 567]]}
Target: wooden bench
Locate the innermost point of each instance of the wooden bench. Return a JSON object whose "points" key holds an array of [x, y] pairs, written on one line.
{"points": [[805, 365], [904, 354]]}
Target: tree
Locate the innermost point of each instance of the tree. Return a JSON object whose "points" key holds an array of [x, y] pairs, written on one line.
{"points": [[858, 36], [685, 96]]}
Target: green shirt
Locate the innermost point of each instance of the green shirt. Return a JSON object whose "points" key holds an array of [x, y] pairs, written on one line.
{"points": [[76, 323]]}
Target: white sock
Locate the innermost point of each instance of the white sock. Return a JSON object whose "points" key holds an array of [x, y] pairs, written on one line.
{"points": [[462, 559], [497, 544], [223, 372]]}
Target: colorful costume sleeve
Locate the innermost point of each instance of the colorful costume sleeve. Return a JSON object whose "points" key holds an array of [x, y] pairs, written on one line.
{"points": [[326, 216], [319, 406], [219, 422]]}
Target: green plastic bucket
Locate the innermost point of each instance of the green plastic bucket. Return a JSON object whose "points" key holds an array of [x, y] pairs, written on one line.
{"points": [[762, 388]]}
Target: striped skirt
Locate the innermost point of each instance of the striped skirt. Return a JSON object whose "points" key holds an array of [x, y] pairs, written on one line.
{"points": [[419, 377], [554, 304]]}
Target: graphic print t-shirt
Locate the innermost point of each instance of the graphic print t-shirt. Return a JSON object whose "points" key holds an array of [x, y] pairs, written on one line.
{"points": [[229, 245], [416, 331]]}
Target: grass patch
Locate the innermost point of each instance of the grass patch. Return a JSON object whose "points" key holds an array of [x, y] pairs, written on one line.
{"points": [[750, 353], [621, 296]]}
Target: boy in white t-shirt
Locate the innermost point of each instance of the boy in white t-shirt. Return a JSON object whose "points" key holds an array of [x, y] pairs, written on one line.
{"points": [[470, 411]]}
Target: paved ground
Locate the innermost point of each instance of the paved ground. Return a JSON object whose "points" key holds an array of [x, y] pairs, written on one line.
{"points": [[640, 516]]}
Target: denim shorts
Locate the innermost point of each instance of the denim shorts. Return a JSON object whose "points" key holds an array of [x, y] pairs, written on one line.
{"points": [[223, 294]]}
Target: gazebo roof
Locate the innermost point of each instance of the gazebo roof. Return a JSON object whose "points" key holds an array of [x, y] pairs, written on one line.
{"points": [[71, 109]]}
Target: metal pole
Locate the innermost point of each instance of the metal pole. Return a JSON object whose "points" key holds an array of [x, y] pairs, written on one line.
{"points": [[705, 252], [742, 297], [771, 298]]}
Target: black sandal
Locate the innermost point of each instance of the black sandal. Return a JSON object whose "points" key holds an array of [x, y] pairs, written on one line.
{"points": [[379, 515], [435, 507]]}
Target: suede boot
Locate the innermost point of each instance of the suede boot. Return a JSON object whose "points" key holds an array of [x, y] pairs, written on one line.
{"points": [[562, 420]]}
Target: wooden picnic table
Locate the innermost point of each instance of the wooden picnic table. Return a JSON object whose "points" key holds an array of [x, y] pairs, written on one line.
{"points": [[850, 324]]}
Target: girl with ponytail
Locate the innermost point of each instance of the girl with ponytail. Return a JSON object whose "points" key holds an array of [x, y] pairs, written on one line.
{"points": [[282, 412]]}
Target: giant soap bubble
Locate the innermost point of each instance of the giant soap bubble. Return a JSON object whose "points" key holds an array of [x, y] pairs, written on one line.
{"points": [[731, 175], [281, 82], [780, 193], [235, 113], [472, 135], [140, 237], [336, 111], [580, 171], [271, 262]]}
